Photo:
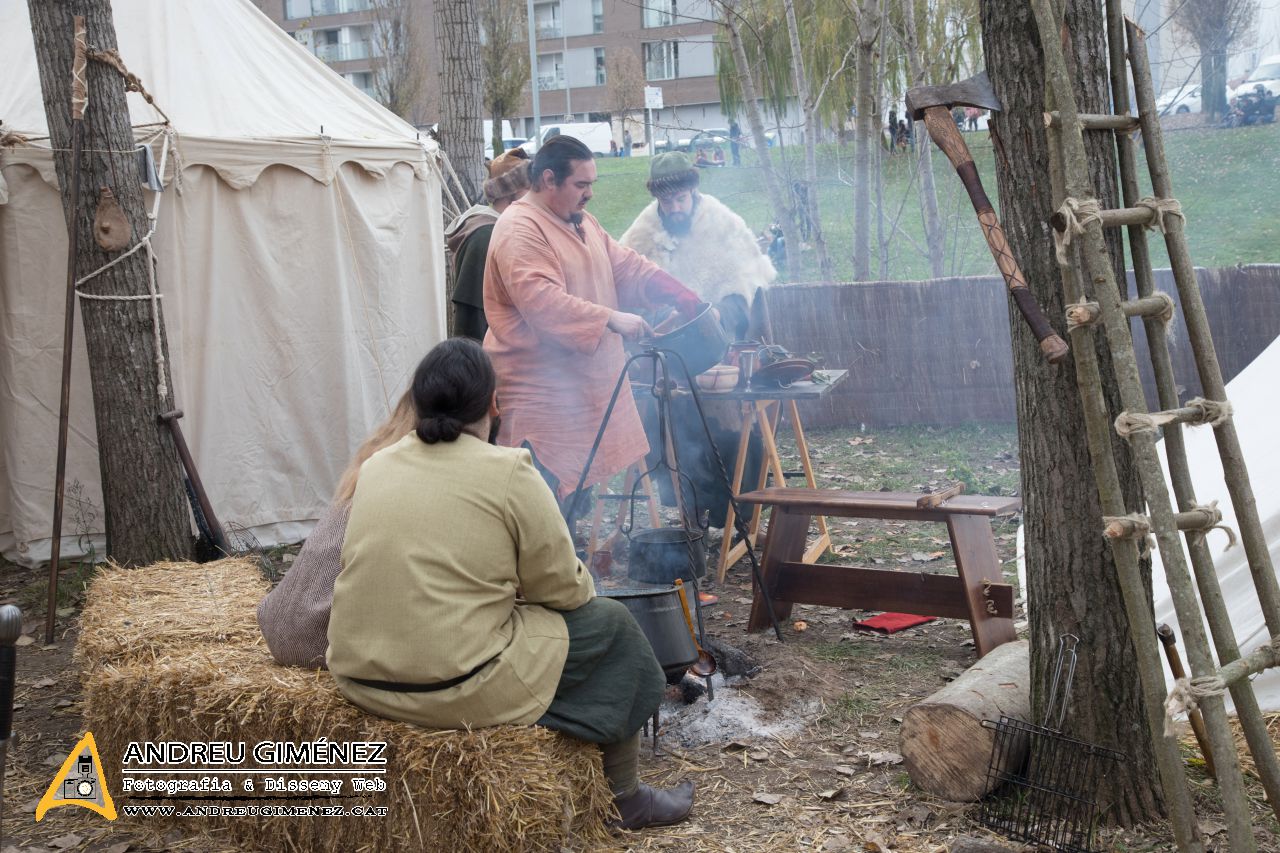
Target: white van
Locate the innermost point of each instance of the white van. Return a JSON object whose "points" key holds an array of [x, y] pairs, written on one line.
{"points": [[596, 135]]}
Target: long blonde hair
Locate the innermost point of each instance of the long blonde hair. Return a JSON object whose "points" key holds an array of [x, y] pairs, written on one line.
{"points": [[402, 422]]}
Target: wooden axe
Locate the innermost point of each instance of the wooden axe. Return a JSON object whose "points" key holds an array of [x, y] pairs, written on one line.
{"points": [[933, 104]]}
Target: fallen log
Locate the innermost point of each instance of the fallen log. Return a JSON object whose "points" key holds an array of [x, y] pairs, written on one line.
{"points": [[945, 747]]}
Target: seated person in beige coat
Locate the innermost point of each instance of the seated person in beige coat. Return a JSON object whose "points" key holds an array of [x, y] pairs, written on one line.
{"points": [[294, 616], [461, 601]]}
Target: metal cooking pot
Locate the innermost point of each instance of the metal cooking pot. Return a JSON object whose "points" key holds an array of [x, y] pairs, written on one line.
{"points": [[661, 618], [701, 342], [662, 554]]}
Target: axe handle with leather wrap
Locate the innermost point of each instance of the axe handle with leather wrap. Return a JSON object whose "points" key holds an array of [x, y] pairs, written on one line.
{"points": [[943, 131]]}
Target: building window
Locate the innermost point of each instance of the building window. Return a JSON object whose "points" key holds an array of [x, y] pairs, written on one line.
{"points": [[546, 20], [294, 9], [362, 80], [601, 74], [550, 71], [597, 16], [659, 13], [661, 60]]}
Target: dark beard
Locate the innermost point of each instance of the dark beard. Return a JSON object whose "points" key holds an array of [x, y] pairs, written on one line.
{"points": [[495, 423], [575, 218], [678, 228]]}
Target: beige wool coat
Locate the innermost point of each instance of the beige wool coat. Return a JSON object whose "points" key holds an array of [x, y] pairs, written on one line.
{"points": [[440, 538]]}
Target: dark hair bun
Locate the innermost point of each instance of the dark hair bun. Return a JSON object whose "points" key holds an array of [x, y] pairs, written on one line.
{"points": [[439, 428]]}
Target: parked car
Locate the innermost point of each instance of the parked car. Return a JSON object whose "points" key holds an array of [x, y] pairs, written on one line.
{"points": [[708, 138], [1185, 99], [596, 135], [1267, 73], [508, 144]]}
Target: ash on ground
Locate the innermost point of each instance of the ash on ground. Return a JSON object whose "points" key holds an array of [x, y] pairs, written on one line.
{"points": [[733, 715]]}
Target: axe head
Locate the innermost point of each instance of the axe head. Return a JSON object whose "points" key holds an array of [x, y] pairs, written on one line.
{"points": [[974, 92]]}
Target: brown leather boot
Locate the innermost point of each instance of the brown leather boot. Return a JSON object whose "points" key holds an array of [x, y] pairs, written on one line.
{"points": [[654, 806]]}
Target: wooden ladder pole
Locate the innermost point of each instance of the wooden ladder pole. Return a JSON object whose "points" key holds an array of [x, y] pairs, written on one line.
{"points": [[1107, 293], [1216, 613], [1236, 473]]}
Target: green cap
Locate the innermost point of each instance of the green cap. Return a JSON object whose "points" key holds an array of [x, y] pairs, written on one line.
{"points": [[671, 172]]}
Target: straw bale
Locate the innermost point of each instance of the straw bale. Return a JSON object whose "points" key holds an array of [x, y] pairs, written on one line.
{"points": [[149, 613], [179, 675]]}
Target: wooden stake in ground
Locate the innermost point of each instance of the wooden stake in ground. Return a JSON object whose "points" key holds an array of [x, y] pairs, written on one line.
{"points": [[144, 505]]}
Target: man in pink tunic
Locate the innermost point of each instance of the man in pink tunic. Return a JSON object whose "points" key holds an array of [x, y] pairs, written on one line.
{"points": [[554, 287]]}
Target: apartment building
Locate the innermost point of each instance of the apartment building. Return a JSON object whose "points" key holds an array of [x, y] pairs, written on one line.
{"points": [[672, 43]]}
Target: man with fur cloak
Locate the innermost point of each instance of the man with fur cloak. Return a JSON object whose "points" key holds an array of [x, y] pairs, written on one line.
{"points": [[695, 237]]}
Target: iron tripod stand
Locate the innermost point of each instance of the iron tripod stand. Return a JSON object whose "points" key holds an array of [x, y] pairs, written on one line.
{"points": [[661, 388]]}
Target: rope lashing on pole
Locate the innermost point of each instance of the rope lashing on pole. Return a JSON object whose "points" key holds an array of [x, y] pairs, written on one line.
{"points": [[1210, 518], [1160, 208], [1076, 214], [1197, 412]]}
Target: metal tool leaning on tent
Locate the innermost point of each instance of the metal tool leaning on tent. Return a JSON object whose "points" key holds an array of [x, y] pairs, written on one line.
{"points": [[10, 628], [201, 509], [933, 104]]}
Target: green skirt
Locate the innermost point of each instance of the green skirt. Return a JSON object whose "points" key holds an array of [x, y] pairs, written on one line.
{"points": [[611, 682]]}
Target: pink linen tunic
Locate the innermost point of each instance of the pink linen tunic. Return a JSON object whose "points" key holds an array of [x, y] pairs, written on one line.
{"points": [[548, 293]]}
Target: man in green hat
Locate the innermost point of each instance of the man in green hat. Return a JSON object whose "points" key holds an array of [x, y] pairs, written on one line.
{"points": [[694, 236]]}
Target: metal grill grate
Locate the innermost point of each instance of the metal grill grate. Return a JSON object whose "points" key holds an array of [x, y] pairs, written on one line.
{"points": [[1048, 796]]}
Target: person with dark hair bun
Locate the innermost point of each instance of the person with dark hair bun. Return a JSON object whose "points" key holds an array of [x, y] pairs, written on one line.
{"points": [[461, 602], [559, 294]]}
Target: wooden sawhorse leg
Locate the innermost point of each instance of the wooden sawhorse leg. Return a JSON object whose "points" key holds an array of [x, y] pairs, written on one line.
{"points": [[788, 532]]}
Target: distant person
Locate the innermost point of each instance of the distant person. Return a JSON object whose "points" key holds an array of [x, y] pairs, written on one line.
{"points": [[613, 148], [696, 237], [626, 143], [468, 239], [735, 142], [904, 135], [971, 115]]}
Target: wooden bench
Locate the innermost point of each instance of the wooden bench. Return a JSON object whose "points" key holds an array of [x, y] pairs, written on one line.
{"points": [[977, 593]]}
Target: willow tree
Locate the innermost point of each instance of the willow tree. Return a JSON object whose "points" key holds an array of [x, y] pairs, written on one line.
{"points": [[503, 60], [1214, 26], [803, 52]]}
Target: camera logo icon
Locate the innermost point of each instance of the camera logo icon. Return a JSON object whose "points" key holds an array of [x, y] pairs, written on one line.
{"points": [[79, 783]]}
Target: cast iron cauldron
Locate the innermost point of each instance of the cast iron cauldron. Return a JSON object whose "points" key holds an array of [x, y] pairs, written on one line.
{"points": [[701, 342], [661, 618], [661, 554]]}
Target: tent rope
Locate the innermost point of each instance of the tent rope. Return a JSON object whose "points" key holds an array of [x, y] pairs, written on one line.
{"points": [[153, 295]]}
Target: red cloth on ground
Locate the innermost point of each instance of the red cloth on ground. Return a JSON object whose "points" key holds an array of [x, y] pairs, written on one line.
{"points": [[892, 623]]}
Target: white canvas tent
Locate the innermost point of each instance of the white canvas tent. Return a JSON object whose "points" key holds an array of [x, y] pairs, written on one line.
{"points": [[299, 253], [1253, 397]]}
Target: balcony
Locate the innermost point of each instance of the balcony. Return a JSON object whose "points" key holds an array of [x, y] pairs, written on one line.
{"points": [[295, 9], [549, 31], [549, 82], [344, 51]]}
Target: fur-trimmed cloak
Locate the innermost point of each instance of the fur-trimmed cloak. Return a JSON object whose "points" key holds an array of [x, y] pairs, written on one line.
{"points": [[717, 257]]}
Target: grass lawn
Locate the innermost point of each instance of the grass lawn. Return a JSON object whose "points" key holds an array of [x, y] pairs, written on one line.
{"points": [[1225, 179]]}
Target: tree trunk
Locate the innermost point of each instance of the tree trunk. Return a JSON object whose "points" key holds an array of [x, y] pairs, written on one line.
{"points": [[1071, 577], [1213, 78], [461, 102], [924, 161], [809, 109], [945, 747], [866, 134], [882, 240], [751, 103], [144, 501]]}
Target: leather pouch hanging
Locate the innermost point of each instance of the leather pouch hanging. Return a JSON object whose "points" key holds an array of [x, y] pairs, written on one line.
{"points": [[111, 228]]}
